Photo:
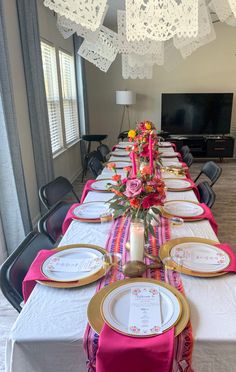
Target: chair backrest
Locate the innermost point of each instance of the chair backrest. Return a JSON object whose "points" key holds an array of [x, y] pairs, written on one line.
{"points": [[92, 154], [184, 151], [50, 223], [211, 170], [104, 151], [55, 191], [207, 195], [188, 159], [95, 166], [15, 267], [123, 135]]}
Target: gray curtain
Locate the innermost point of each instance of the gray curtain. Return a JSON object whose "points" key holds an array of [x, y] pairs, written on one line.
{"points": [[14, 211], [30, 40], [81, 94]]}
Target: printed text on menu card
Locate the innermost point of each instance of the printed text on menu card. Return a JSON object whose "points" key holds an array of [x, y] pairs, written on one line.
{"points": [[73, 265], [199, 256], [145, 311]]}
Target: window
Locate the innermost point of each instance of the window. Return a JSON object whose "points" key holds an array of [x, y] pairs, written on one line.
{"points": [[69, 97], [60, 89]]}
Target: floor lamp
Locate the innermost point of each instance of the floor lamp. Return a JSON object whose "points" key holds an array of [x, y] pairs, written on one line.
{"points": [[125, 98]]}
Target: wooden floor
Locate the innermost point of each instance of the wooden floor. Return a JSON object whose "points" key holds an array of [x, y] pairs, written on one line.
{"points": [[224, 211]]}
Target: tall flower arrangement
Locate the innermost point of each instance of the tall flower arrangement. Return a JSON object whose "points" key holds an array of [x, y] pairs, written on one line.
{"points": [[145, 142]]}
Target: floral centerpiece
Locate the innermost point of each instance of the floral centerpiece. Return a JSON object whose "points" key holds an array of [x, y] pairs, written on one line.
{"points": [[138, 196], [145, 145]]}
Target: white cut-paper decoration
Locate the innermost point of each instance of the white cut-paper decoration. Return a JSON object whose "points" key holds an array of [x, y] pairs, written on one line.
{"points": [[87, 13], [161, 19], [128, 72], [198, 42], [232, 4], [68, 28], [138, 47], [103, 52], [204, 27], [172, 58], [222, 9], [135, 60]]}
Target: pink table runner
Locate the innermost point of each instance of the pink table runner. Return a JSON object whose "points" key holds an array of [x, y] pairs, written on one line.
{"points": [[183, 344]]}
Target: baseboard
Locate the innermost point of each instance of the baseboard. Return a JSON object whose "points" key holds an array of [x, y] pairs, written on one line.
{"points": [[76, 175]]}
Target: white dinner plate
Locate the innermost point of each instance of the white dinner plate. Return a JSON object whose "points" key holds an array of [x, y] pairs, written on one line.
{"points": [[121, 164], [90, 210], [178, 184], [171, 163], [164, 144], [123, 145], [120, 153], [115, 307], [102, 185], [166, 174], [76, 254], [200, 248], [183, 208], [169, 154]]}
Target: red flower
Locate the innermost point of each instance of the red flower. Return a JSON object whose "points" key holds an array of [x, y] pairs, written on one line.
{"points": [[152, 199], [134, 203], [116, 177]]}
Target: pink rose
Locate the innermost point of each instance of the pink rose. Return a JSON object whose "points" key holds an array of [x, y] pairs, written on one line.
{"points": [[133, 188]]}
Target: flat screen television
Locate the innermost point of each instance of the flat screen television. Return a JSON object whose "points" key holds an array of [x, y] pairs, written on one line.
{"points": [[196, 113]]}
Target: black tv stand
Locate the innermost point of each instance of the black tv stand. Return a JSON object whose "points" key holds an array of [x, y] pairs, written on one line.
{"points": [[206, 146]]}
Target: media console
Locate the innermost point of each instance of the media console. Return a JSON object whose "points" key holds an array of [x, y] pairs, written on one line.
{"points": [[206, 146]]}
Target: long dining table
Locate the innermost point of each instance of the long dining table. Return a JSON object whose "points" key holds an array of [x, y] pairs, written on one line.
{"points": [[48, 333]]}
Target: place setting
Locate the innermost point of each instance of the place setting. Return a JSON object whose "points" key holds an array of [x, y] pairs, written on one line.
{"points": [[120, 153], [120, 164], [176, 184]]}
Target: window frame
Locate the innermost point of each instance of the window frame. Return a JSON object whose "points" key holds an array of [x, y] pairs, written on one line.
{"points": [[64, 146]]}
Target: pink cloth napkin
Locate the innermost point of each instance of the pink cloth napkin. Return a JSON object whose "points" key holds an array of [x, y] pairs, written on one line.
{"points": [[69, 217], [120, 353], [86, 189], [34, 273], [207, 215], [226, 248]]}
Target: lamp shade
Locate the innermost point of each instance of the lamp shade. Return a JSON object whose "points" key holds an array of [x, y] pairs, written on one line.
{"points": [[125, 97]]}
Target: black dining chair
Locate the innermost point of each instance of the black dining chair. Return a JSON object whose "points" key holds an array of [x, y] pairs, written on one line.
{"points": [[207, 195], [55, 191], [51, 222], [188, 159], [123, 135], [184, 151], [104, 151], [87, 157], [211, 170], [95, 166], [14, 269]]}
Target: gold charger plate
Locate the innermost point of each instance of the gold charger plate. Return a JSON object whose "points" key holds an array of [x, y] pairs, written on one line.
{"points": [[165, 250], [78, 283], [94, 308], [188, 188], [89, 220], [186, 219], [102, 179]]}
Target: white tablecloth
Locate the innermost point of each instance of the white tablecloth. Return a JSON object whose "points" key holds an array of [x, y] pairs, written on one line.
{"points": [[48, 334]]}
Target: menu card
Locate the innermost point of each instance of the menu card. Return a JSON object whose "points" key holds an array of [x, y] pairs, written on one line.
{"points": [[145, 311], [199, 256], [71, 265]]}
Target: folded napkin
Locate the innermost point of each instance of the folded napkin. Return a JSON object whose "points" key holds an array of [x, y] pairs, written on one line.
{"points": [[34, 273], [86, 189], [207, 215], [117, 352], [69, 217], [226, 248]]}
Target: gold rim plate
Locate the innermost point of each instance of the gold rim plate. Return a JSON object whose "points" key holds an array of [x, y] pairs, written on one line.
{"points": [[102, 179], [186, 219], [188, 188], [165, 250], [79, 283], [94, 308]]}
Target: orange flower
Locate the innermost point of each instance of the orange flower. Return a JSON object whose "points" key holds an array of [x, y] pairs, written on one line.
{"points": [[117, 192], [146, 170], [134, 203], [116, 177], [127, 169], [149, 189], [111, 166]]}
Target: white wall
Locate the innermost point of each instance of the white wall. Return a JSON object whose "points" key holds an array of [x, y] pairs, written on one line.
{"points": [[210, 69]]}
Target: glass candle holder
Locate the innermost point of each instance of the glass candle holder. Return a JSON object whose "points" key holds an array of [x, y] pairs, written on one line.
{"points": [[137, 240]]}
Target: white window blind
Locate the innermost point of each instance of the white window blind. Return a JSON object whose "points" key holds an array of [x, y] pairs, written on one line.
{"points": [[69, 97], [52, 95]]}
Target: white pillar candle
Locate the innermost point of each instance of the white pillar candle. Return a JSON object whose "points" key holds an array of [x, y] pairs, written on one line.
{"points": [[136, 240]]}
